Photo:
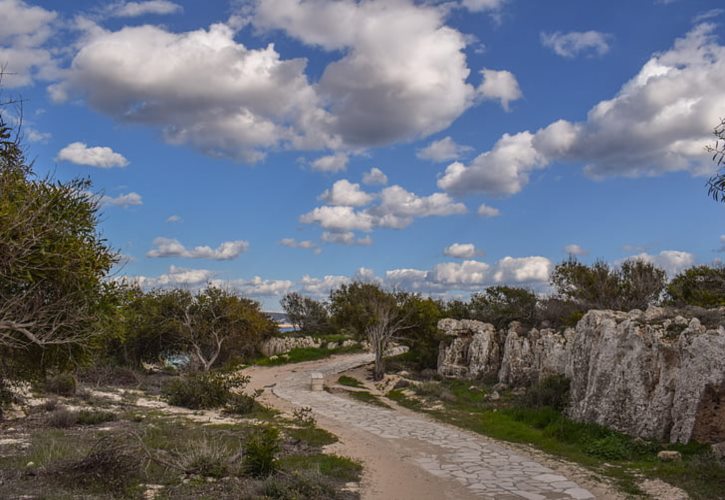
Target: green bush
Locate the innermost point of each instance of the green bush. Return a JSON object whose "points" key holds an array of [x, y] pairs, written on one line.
{"points": [[62, 419], [62, 384], [86, 417], [702, 286], [552, 391], [500, 305], [201, 391], [612, 447], [299, 486], [260, 453]]}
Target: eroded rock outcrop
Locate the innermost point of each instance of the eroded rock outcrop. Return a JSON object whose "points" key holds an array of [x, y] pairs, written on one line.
{"points": [[279, 345], [651, 374]]}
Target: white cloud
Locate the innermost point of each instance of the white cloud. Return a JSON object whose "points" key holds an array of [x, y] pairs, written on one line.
{"points": [[201, 88], [659, 122], [322, 287], [331, 163], [34, 135], [122, 200], [305, 244], [575, 43], [500, 86], [136, 9], [442, 150], [346, 238], [23, 35], [101, 157], [468, 272], [172, 219], [483, 5], [375, 176], [710, 14], [167, 247], [403, 71], [672, 261], [523, 270], [461, 250], [486, 211], [722, 243], [339, 219], [574, 249], [256, 287], [177, 276], [345, 193], [398, 207]]}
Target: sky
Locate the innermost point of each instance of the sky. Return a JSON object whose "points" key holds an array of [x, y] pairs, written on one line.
{"points": [[438, 147]]}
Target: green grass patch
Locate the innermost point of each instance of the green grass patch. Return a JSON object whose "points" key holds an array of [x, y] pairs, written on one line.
{"points": [[302, 354], [366, 397], [332, 466], [350, 382], [313, 436]]}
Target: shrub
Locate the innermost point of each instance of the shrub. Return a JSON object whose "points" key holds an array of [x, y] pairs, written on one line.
{"points": [[62, 384], [241, 404], [702, 286], [62, 419], [303, 416], [260, 453], [202, 391], [208, 458], [500, 305], [86, 417], [299, 485], [612, 447], [552, 391]]}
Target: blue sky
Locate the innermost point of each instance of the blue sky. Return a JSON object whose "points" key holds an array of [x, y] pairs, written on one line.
{"points": [[440, 147]]}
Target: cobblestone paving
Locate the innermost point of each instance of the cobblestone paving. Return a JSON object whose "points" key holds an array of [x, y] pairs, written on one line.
{"points": [[486, 467]]}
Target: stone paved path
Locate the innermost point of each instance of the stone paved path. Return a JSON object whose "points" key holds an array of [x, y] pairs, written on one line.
{"points": [[486, 467]]}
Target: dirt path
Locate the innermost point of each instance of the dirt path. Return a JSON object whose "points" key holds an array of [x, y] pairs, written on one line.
{"points": [[409, 456]]}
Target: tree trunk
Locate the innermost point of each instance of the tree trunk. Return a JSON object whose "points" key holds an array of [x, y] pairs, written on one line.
{"points": [[379, 370]]}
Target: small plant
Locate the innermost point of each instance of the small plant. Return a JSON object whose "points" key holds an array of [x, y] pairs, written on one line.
{"points": [[350, 381], [612, 447], [86, 417], [62, 384], [62, 419], [260, 454], [303, 416], [207, 458]]}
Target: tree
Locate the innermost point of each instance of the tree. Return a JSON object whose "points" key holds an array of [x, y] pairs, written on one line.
{"points": [[716, 183], [215, 323], [349, 306], [500, 305], [702, 286], [53, 262], [423, 337], [634, 285], [306, 314]]}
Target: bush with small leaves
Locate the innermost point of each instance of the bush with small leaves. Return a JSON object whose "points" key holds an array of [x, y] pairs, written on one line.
{"points": [[552, 391], [303, 416], [201, 391], [62, 384], [260, 452]]}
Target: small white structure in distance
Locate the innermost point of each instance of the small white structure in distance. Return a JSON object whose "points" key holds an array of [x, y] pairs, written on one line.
{"points": [[316, 381]]}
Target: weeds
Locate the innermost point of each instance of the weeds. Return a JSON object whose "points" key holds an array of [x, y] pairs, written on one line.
{"points": [[303, 416], [62, 384], [260, 453]]}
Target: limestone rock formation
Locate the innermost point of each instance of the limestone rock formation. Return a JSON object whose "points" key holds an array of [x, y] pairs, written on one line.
{"points": [[651, 374], [279, 345]]}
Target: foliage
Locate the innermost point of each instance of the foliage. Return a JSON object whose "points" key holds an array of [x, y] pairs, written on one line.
{"points": [[62, 384], [206, 457], [634, 285], [552, 391], [260, 452], [350, 381], [716, 183], [303, 416], [53, 261], [306, 314], [334, 466], [422, 337], [201, 391], [702, 286], [350, 309], [500, 305]]}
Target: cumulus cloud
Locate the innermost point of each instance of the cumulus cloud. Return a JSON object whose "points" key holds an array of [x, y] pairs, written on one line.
{"points": [[201, 88], [500, 86], [345, 193], [574, 249], [672, 261], [396, 208], [375, 176], [23, 37], [483, 5], [346, 238], [523, 270], [660, 121], [321, 287], [331, 163], [168, 247], [486, 211], [403, 73], [122, 200], [442, 150], [339, 219], [461, 250], [256, 286], [176, 276], [136, 9], [304, 244], [98, 156], [575, 43]]}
